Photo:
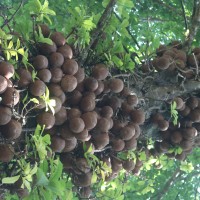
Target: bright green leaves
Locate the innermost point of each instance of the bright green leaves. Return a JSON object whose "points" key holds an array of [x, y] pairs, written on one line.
{"points": [[49, 103], [41, 143], [10, 180], [40, 11], [40, 38], [186, 167], [174, 113]]}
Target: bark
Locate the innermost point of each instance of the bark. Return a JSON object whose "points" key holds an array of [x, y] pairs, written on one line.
{"points": [[98, 30], [195, 23]]}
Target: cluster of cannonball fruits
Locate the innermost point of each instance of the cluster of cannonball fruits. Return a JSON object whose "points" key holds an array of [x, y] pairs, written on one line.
{"points": [[97, 110], [174, 59]]}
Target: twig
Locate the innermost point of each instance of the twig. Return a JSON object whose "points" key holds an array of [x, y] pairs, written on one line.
{"points": [[184, 15], [197, 67], [8, 21], [121, 75]]}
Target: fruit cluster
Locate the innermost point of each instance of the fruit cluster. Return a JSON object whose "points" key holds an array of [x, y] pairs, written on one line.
{"points": [[97, 110]]}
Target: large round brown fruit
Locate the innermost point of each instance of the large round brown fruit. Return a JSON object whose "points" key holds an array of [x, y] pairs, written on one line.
{"points": [[57, 75], [6, 153], [25, 77], [127, 132], [132, 99], [100, 88], [82, 136], [73, 113], [12, 130], [47, 49], [37, 88], [45, 30], [75, 98], [118, 144], [101, 140], [46, 119], [116, 85], [87, 104], [80, 74], [128, 165], [82, 165], [55, 89], [116, 164], [66, 132], [58, 104], [100, 72], [6, 69], [70, 67], [106, 112], [5, 115], [56, 59], [103, 124], [44, 75], [10, 97], [3, 84], [61, 116], [189, 133], [83, 180], [195, 115], [179, 103], [70, 144], [163, 125], [68, 83], [76, 125], [40, 62], [58, 38], [163, 62], [176, 137], [137, 116], [89, 119], [66, 51], [192, 102], [90, 84], [131, 144], [85, 192], [57, 144]]}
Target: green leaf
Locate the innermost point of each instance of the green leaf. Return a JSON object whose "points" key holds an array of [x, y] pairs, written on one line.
{"points": [[42, 180], [10, 180]]}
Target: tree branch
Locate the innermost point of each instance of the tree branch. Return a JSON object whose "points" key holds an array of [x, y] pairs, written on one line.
{"points": [[184, 15], [195, 23], [97, 31], [167, 185]]}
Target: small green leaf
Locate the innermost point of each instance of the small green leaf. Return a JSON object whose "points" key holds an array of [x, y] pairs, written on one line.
{"points": [[10, 180]]}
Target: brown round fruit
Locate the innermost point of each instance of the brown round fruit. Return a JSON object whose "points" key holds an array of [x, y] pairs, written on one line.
{"points": [[58, 38], [118, 144], [56, 59], [101, 140], [6, 69], [47, 49], [37, 88], [12, 130], [3, 84], [132, 100], [192, 102], [44, 75], [76, 125], [46, 119], [70, 67], [116, 85], [195, 115], [10, 97], [87, 104], [100, 72], [6, 153], [103, 124], [68, 83], [61, 116], [90, 84], [66, 51], [57, 75], [106, 112], [70, 144], [163, 125], [5, 116], [128, 165], [57, 144], [179, 103], [80, 75], [45, 30], [73, 113], [55, 89], [127, 132], [137, 116], [176, 137], [89, 119], [40, 62]]}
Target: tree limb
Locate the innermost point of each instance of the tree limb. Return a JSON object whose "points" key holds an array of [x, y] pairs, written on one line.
{"points": [[195, 23], [97, 31], [184, 15]]}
